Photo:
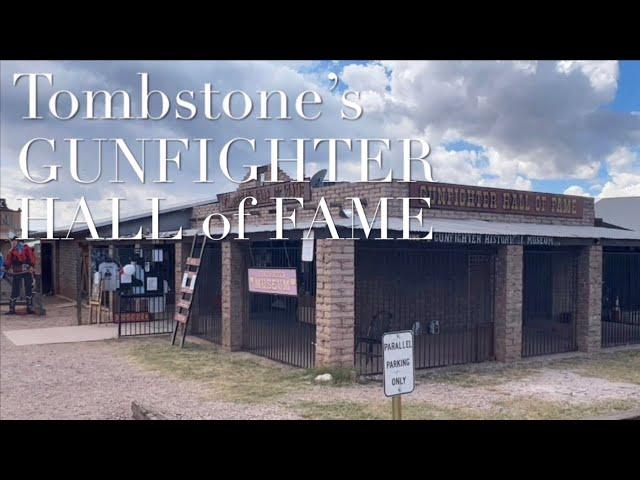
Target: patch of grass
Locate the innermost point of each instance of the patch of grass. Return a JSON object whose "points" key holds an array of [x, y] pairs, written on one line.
{"points": [[340, 410], [351, 410], [230, 376], [521, 408], [620, 366], [478, 376], [531, 408]]}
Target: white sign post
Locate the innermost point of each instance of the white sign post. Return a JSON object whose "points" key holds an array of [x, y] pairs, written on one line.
{"points": [[398, 367]]}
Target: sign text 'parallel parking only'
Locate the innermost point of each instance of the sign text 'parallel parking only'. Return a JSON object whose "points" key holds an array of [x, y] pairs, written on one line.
{"points": [[398, 363]]}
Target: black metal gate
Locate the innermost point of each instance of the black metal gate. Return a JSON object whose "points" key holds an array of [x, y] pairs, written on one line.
{"points": [[445, 295], [620, 298], [549, 302], [145, 305], [281, 327], [206, 310]]}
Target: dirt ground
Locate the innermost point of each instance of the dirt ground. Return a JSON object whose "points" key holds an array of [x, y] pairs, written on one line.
{"points": [[99, 380]]}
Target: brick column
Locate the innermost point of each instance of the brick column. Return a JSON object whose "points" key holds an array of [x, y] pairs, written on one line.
{"points": [[234, 294], [589, 299], [335, 303], [508, 303]]}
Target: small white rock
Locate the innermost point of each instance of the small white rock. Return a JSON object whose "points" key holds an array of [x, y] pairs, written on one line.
{"points": [[324, 378]]}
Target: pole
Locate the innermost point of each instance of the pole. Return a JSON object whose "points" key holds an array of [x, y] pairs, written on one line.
{"points": [[78, 293], [396, 407]]}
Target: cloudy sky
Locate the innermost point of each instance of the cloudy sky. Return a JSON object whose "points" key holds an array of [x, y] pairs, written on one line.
{"points": [[563, 126]]}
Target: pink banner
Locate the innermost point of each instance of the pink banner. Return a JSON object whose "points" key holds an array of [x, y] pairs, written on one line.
{"points": [[276, 281]]}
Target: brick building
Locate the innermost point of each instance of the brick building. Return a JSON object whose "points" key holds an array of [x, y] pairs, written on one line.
{"points": [[9, 222], [507, 274]]}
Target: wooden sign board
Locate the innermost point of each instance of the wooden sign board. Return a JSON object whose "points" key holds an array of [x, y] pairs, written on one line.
{"points": [[275, 281], [446, 196], [264, 194]]}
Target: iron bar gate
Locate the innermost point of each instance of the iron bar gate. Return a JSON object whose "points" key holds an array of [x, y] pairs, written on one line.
{"points": [[549, 302], [281, 327], [620, 298], [206, 310], [445, 295], [144, 306]]}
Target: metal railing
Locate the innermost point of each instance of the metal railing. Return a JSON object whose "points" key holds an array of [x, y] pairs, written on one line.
{"points": [[445, 295], [620, 298], [549, 302], [282, 327], [142, 314]]}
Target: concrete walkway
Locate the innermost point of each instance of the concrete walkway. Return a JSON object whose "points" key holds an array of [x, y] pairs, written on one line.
{"points": [[79, 333]]}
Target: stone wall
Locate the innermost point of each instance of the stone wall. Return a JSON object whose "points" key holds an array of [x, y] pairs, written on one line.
{"points": [[369, 193], [68, 263], [589, 317], [508, 303], [335, 303], [234, 293]]}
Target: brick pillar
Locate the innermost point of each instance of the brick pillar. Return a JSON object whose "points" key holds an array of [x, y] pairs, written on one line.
{"points": [[234, 294], [335, 303], [589, 299], [508, 303]]}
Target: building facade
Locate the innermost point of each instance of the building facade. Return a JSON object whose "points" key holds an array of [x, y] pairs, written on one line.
{"points": [[507, 274], [9, 222]]}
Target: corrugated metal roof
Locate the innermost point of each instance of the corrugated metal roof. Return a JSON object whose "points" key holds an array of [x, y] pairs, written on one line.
{"points": [[621, 211], [446, 225], [107, 221]]}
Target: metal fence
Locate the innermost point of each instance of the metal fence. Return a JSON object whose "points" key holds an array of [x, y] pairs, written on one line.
{"points": [[142, 314], [282, 327], [445, 295], [549, 302], [206, 310], [139, 308], [620, 298]]}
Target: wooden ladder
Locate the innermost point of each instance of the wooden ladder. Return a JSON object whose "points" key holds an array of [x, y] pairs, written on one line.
{"points": [[187, 290]]}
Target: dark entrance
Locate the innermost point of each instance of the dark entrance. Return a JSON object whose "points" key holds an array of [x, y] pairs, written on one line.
{"points": [[139, 308], [443, 294], [620, 297], [549, 302], [206, 310], [282, 327], [46, 251]]}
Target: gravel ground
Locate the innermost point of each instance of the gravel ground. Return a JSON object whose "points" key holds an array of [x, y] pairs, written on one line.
{"points": [[97, 380], [94, 380], [566, 386], [547, 385]]}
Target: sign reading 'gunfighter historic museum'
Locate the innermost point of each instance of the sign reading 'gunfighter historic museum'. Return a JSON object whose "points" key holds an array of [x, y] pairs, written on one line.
{"points": [[497, 200], [276, 281]]}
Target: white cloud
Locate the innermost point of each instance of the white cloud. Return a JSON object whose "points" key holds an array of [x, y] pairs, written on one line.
{"points": [[547, 124], [623, 166], [603, 75], [531, 121], [525, 66], [576, 190], [365, 77]]}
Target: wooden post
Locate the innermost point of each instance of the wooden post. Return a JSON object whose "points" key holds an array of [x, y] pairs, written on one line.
{"points": [[78, 291], [396, 407]]}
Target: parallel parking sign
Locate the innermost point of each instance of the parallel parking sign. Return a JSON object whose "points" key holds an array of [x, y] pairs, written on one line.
{"points": [[398, 363]]}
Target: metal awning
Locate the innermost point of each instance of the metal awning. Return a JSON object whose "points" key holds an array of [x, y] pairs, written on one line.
{"points": [[448, 225]]}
